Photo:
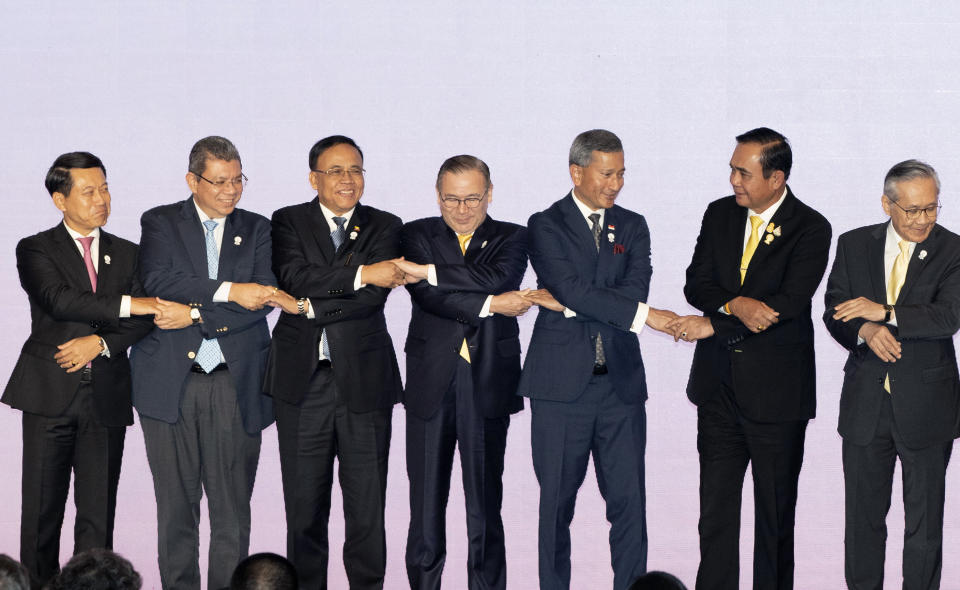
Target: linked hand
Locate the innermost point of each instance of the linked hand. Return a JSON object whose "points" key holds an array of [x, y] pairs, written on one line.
{"points": [[659, 319], [73, 355], [861, 307], [172, 315], [543, 298], [690, 328], [756, 315], [414, 272], [881, 341], [144, 305], [285, 301], [251, 296], [383, 274], [511, 303]]}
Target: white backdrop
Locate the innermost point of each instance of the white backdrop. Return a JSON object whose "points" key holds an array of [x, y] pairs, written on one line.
{"points": [[857, 86]]}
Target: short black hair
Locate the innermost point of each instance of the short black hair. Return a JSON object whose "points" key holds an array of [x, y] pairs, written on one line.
{"points": [[59, 179], [328, 142], [13, 574], [213, 147], [264, 571], [776, 154], [464, 163], [96, 569]]}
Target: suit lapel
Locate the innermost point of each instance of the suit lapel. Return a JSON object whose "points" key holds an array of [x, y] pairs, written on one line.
{"points": [[105, 274], [229, 249], [320, 229], [875, 263], [71, 258], [927, 249], [578, 226], [192, 235], [605, 252], [766, 246], [355, 225], [735, 224], [479, 240]]}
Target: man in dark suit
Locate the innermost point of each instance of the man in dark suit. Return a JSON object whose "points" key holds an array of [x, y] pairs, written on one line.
{"points": [[463, 364], [198, 375], [758, 260], [583, 371], [893, 301], [333, 372], [72, 380]]}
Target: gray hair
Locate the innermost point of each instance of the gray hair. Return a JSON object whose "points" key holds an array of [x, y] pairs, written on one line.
{"points": [[905, 171], [595, 140], [212, 148]]}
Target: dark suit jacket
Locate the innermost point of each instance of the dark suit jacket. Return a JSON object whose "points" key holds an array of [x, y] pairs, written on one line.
{"points": [[173, 266], [923, 383], [443, 316], [364, 363], [63, 307], [602, 287], [772, 373]]}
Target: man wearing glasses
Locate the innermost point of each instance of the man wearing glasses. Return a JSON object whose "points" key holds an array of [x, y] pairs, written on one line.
{"points": [[893, 301], [332, 372], [197, 377], [463, 362]]}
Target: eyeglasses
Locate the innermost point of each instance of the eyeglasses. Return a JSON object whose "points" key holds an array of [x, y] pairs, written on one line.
{"points": [[239, 182], [342, 173], [930, 212], [471, 202]]}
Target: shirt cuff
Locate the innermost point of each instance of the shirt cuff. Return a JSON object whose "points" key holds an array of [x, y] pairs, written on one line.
{"points": [[485, 310], [569, 313], [222, 294], [124, 307], [309, 315], [640, 320], [357, 284], [432, 279], [106, 349]]}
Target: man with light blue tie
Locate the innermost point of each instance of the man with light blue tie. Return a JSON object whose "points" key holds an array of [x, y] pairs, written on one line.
{"points": [[197, 376]]}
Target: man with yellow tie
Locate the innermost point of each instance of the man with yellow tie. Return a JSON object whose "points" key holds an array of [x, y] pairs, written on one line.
{"points": [[463, 361], [760, 256], [893, 301]]}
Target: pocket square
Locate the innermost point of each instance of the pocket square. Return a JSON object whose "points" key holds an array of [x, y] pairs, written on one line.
{"points": [[618, 249]]}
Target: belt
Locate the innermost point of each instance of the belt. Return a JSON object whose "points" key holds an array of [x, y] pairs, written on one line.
{"points": [[196, 368], [86, 375], [599, 369]]}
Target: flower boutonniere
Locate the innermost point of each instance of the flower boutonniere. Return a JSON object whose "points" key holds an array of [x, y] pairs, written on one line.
{"points": [[106, 258], [773, 231], [353, 234], [237, 240]]}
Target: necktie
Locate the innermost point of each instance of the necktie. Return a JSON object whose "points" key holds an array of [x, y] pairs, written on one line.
{"points": [[88, 261], [752, 243], [898, 275], [599, 358], [209, 355], [464, 239], [337, 236], [340, 234]]}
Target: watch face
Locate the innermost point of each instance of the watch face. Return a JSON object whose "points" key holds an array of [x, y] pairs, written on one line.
{"points": [[194, 313]]}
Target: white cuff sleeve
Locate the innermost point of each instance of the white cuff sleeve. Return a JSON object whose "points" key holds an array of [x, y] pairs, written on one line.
{"points": [[569, 313], [310, 314], [432, 279], [222, 294], [124, 307], [357, 284], [640, 320], [485, 310], [106, 349]]}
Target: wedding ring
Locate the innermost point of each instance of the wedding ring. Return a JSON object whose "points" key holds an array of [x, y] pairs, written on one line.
{"points": [[760, 328]]}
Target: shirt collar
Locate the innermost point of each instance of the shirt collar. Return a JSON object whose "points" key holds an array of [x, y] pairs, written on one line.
{"points": [[768, 214], [329, 215], [76, 235], [204, 216], [584, 210]]}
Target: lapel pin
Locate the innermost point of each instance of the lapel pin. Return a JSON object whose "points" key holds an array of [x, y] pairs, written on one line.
{"points": [[610, 237], [767, 240], [106, 258], [353, 235], [483, 245], [237, 240], [922, 255]]}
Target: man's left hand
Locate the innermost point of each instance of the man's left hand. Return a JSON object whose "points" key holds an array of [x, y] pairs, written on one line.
{"points": [[172, 315], [861, 307], [414, 272], [74, 354]]}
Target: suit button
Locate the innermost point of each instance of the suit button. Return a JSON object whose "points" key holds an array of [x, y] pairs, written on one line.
{"points": [[94, 325], [191, 355]]}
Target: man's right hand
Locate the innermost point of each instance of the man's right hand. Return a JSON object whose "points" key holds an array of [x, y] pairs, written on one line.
{"points": [[880, 341], [544, 298], [511, 303], [756, 315], [382, 274], [250, 296]]}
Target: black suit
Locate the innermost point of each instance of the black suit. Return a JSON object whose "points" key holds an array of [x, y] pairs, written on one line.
{"points": [[754, 391], [338, 409], [92, 410], [451, 402], [917, 420]]}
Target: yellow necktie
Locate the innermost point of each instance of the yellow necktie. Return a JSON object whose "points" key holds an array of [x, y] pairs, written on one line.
{"points": [[463, 239], [897, 276], [752, 243]]}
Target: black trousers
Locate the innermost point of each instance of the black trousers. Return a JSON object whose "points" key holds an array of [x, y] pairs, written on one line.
{"points": [[311, 435], [430, 446], [727, 441], [868, 483], [52, 448]]}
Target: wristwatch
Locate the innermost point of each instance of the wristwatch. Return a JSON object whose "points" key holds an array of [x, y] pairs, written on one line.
{"points": [[888, 309], [302, 306], [195, 315]]}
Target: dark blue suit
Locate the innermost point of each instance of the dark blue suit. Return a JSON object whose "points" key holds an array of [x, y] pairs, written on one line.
{"points": [[576, 413], [451, 402], [173, 266]]}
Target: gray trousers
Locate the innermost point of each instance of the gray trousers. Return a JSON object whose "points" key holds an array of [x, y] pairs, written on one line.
{"points": [[206, 450]]}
